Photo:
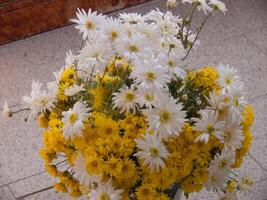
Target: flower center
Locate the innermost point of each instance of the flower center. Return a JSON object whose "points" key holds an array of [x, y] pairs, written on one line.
{"points": [[210, 128], [227, 136], [89, 25], [165, 117], [154, 152], [73, 118], [149, 97], [133, 48], [228, 81], [104, 196], [223, 163], [114, 35], [43, 101], [150, 76], [129, 97], [170, 63]]}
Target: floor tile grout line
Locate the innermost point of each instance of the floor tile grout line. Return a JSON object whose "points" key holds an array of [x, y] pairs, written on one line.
{"points": [[11, 191], [35, 192], [21, 179], [254, 44]]}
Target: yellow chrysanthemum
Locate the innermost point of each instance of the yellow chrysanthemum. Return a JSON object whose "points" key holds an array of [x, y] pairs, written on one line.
{"points": [[146, 192]]}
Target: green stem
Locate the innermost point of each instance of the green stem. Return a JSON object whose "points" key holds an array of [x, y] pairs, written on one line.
{"points": [[198, 32]]}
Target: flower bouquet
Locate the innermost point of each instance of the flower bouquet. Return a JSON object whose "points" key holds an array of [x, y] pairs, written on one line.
{"points": [[125, 119]]}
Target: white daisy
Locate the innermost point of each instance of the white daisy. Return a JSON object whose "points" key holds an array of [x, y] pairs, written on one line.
{"points": [[147, 100], [73, 90], [70, 59], [126, 100], [218, 5], [154, 15], [81, 174], [136, 45], [6, 112], [223, 162], [233, 134], [150, 76], [95, 55], [73, 120], [237, 100], [167, 118], [105, 191], [151, 32], [39, 101], [201, 5], [167, 26], [152, 151], [171, 3], [208, 124], [246, 183], [217, 180], [87, 22], [112, 29], [227, 77], [217, 102], [131, 18]]}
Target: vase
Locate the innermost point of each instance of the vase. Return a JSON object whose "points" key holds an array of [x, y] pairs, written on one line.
{"points": [[178, 195], [175, 192]]}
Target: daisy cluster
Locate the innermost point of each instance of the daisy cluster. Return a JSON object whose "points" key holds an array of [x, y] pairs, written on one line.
{"points": [[124, 120]]}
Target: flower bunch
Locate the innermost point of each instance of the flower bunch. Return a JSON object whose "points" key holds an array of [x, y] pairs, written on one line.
{"points": [[124, 120]]}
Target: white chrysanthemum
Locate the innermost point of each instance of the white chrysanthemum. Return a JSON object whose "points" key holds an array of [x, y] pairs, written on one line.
{"points": [[152, 151], [81, 174], [233, 134], [217, 102], [96, 55], [105, 191], [227, 77], [167, 118], [208, 124], [39, 101], [217, 180], [131, 18], [167, 26], [136, 45], [237, 100], [87, 22], [171, 3], [73, 120], [173, 60], [222, 162], [245, 183], [154, 15], [6, 110], [219, 5], [150, 76], [126, 99], [70, 59], [202, 5], [112, 29], [73, 90], [147, 100], [151, 32]]}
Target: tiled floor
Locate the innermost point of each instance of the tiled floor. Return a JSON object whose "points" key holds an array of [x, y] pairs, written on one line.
{"points": [[239, 38]]}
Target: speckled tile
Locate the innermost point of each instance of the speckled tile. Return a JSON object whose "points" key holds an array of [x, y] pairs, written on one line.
{"points": [[37, 57], [32, 184], [240, 53], [5, 194], [48, 195], [259, 38], [19, 147]]}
